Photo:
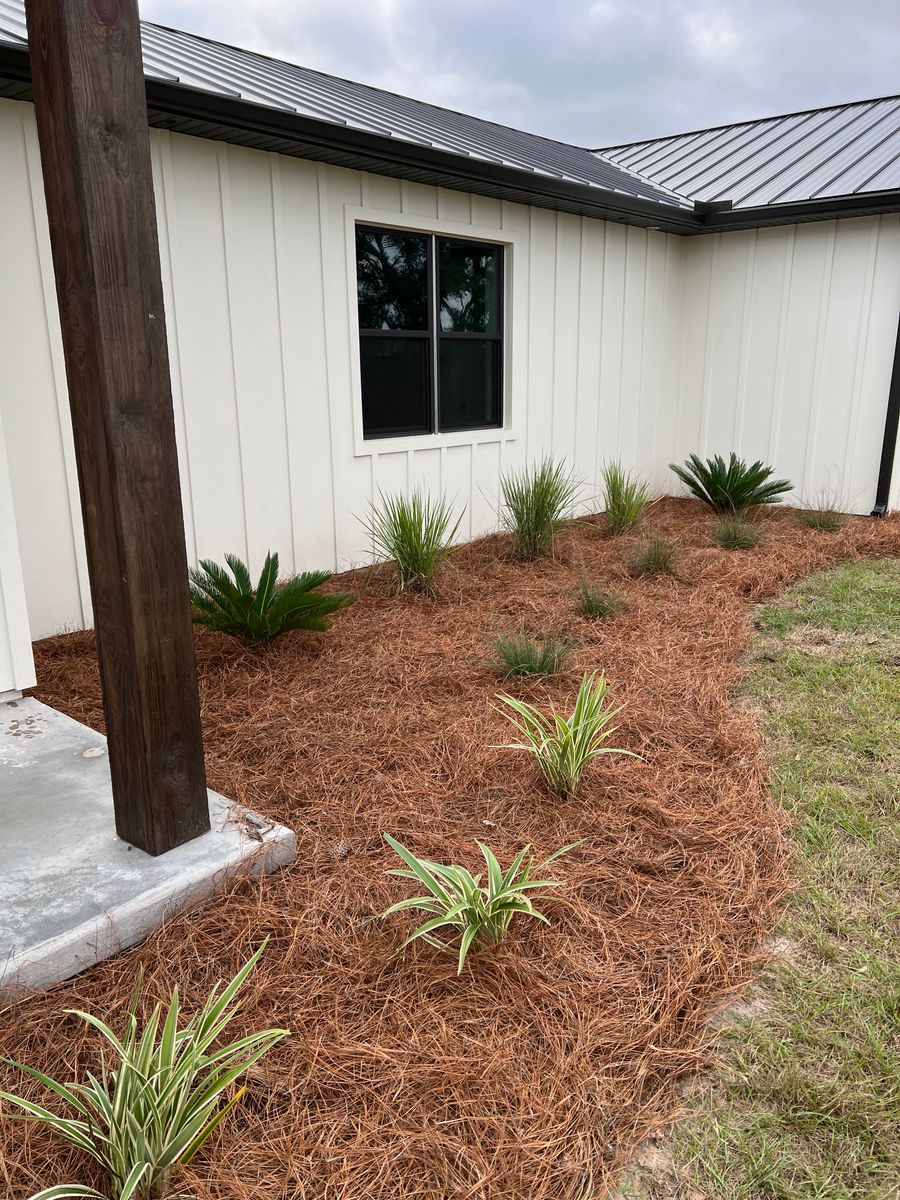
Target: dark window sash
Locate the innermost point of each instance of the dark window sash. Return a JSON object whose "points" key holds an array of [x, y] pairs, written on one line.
{"points": [[434, 335]]}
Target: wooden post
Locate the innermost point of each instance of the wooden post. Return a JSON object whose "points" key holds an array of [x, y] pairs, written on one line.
{"points": [[89, 98]]}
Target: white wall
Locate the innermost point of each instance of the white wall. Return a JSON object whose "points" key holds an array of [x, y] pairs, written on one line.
{"points": [[260, 302], [16, 664], [794, 334], [622, 343]]}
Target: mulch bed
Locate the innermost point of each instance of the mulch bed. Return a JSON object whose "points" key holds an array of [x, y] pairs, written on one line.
{"points": [[533, 1075]]}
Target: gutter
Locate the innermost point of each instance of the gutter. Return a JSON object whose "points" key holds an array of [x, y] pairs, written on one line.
{"points": [[196, 113], [191, 111]]}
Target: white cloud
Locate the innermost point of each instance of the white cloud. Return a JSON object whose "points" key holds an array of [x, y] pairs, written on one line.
{"points": [[711, 35], [592, 72]]}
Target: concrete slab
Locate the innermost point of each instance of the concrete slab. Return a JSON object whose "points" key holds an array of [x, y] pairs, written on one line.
{"points": [[72, 893]]}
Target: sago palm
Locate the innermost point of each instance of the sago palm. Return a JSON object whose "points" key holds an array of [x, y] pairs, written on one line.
{"points": [[733, 486], [234, 605]]}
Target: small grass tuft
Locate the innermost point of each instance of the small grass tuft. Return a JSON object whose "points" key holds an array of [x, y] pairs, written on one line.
{"points": [[518, 654], [536, 503], [597, 604], [824, 517], [734, 533], [624, 497], [658, 556]]}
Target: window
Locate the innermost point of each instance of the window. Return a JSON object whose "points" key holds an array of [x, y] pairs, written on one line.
{"points": [[430, 332]]}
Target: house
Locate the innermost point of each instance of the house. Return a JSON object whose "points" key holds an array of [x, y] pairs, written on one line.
{"points": [[364, 292]]}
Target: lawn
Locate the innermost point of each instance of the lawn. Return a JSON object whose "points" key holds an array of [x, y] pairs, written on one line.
{"points": [[533, 1074], [807, 1104]]}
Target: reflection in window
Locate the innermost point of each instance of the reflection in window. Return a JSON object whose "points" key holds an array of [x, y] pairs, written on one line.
{"points": [[469, 293], [430, 328], [392, 279]]}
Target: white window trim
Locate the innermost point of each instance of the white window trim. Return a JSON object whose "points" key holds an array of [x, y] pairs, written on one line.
{"points": [[514, 339]]}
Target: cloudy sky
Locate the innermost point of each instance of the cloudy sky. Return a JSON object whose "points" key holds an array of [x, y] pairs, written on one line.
{"points": [[592, 72]]}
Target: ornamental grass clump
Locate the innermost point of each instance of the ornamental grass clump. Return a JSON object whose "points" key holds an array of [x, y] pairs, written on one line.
{"points": [[460, 903], [730, 487], [597, 604], [624, 497], [261, 613], [536, 503], [158, 1097], [826, 515], [657, 556], [734, 533], [416, 533], [563, 747], [518, 654]]}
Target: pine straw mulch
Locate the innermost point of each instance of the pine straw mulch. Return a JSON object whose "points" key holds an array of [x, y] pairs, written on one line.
{"points": [[533, 1075]]}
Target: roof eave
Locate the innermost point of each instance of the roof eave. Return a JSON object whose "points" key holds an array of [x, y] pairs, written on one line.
{"points": [[184, 109], [825, 208], [191, 111]]}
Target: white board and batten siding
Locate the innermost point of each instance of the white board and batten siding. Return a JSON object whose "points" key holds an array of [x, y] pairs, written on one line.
{"points": [[790, 360], [619, 343], [16, 663]]}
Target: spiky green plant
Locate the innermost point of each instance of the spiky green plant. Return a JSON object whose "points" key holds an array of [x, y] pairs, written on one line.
{"points": [[624, 497], [563, 747], [459, 902], [733, 486], [536, 503], [825, 520], [261, 613], [518, 654], [657, 556], [597, 604], [734, 533], [827, 514], [414, 531], [159, 1094]]}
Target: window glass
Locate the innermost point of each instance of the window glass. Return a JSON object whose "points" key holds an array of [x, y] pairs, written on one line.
{"points": [[469, 285], [469, 383], [430, 332], [392, 279], [396, 385]]}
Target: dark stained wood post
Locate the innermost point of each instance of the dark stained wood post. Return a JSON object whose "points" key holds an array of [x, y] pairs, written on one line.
{"points": [[89, 98]]}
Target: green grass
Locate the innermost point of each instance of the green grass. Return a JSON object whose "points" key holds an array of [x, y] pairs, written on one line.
{"points": [[596, 603], [734, 533], [657, 556], [515, 653], [624, 497], [807, 1106]]}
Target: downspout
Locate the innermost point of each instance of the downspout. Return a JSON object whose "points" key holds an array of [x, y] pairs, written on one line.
{"points": [[889, 445]]}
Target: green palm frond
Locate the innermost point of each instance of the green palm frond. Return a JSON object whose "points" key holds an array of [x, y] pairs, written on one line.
{"points": [[732, 486], [564, 746], [458, 902], [154, 1109], [233, 605]]}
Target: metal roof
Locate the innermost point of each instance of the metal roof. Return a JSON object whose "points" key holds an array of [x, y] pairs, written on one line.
{"points": [[843, 150], [174, 57]]}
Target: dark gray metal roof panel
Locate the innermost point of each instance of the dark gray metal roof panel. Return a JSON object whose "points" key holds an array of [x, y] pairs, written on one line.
{"points": [[174, 57], [842, 150]]}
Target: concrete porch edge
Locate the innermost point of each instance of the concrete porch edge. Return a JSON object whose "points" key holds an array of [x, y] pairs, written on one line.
{"points": [[72, 893]]}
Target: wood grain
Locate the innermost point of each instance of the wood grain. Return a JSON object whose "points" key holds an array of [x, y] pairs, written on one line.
{"points": [[92, 125]]}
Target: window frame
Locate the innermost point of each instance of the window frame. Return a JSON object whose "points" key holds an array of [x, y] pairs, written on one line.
{"points": [[510, 301]]}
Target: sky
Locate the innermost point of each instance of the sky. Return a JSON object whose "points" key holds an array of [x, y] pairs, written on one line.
{"points": [[590, 72]]}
